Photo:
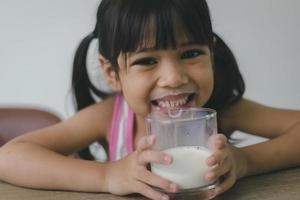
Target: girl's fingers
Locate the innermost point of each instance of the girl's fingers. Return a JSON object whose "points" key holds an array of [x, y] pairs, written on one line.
{"points": [[217, 141], [218, 171], [157, 181], [149, 192], [145, 142], [226, 184], [220, 141], [150, 156], [217, 157]]}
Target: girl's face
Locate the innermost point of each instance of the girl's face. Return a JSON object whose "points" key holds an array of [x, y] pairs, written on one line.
{"points": [[171, 78]]}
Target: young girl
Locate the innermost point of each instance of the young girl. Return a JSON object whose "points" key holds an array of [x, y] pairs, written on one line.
{"points": [[154, 54]]}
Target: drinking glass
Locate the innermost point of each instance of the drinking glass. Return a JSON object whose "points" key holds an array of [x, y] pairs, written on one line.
{"points": [[184, 134]]}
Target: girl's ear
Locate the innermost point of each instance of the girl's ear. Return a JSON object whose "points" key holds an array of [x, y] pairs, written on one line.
{"points": [[110, 74]]}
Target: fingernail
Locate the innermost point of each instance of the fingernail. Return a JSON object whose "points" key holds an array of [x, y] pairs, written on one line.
{"points": [[210, 176], [211, 161], [167, 159], [173, 187], [219, 143], [150, 139], [164, 197], [213, 194], [218, 190]]}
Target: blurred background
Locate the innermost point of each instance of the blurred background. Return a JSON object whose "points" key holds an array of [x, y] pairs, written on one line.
{"points": [[38, 39]]}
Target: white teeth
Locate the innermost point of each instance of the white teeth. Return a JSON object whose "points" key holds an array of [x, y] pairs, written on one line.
{"points": [[172, 103]]}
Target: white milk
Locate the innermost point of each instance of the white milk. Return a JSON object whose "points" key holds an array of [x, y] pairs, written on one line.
{"points": [[188, 166]]}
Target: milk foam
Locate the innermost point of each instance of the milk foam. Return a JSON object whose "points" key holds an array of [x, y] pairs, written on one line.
{"points": [[188, 167]]}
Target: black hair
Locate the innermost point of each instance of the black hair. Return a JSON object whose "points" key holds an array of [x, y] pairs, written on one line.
{"points": [[124, 26], [229, 85]]}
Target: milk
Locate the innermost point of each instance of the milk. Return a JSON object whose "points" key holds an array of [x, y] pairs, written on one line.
{"points": [[188, 166]]}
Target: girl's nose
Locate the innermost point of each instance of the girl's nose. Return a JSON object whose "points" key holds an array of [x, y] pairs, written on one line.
{"points": [[172, 75]]}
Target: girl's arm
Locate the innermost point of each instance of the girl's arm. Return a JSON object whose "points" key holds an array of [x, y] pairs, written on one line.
{"points": [[278, 153], [281, 151], [33, 166], [281, 125], [36, 159]]}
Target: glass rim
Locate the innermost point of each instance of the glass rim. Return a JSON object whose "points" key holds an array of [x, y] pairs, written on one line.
{"points": [[210, 114]]}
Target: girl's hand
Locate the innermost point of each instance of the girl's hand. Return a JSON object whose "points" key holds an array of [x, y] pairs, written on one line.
{"points": [[229, 162], [130, 174]]}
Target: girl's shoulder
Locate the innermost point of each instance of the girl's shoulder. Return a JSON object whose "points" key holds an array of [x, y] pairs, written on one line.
{"points": [[99, 115], [91, 123]]}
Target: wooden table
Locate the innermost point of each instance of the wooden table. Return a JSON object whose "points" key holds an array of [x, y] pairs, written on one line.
{"points": [[281, 185]]}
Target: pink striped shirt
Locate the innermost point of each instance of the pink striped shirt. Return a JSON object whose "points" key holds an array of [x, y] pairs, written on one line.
{"points": [[121, 135]]}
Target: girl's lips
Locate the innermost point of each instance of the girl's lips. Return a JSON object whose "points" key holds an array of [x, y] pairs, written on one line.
{"points": [[162, 93], [173, 97]]}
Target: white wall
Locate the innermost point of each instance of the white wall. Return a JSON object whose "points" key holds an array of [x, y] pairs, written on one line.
{"points": [[37, 42], [264, 36], [38, 39]]}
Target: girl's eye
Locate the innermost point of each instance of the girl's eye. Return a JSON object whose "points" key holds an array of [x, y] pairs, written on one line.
{"points": [[192, 53], [145, 61]]}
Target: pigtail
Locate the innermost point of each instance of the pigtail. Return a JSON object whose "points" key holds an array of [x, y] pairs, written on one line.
{"points": [[229, 85], [82, 86]]}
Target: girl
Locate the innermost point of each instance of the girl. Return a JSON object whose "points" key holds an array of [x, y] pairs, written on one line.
{"points": [[155, 54]]}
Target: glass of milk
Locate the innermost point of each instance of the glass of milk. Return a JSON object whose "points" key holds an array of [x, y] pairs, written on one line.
{"points": [[184, 134]]}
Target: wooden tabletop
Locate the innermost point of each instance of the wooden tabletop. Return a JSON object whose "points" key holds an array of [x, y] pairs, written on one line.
{"points": [[281, 185]]}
